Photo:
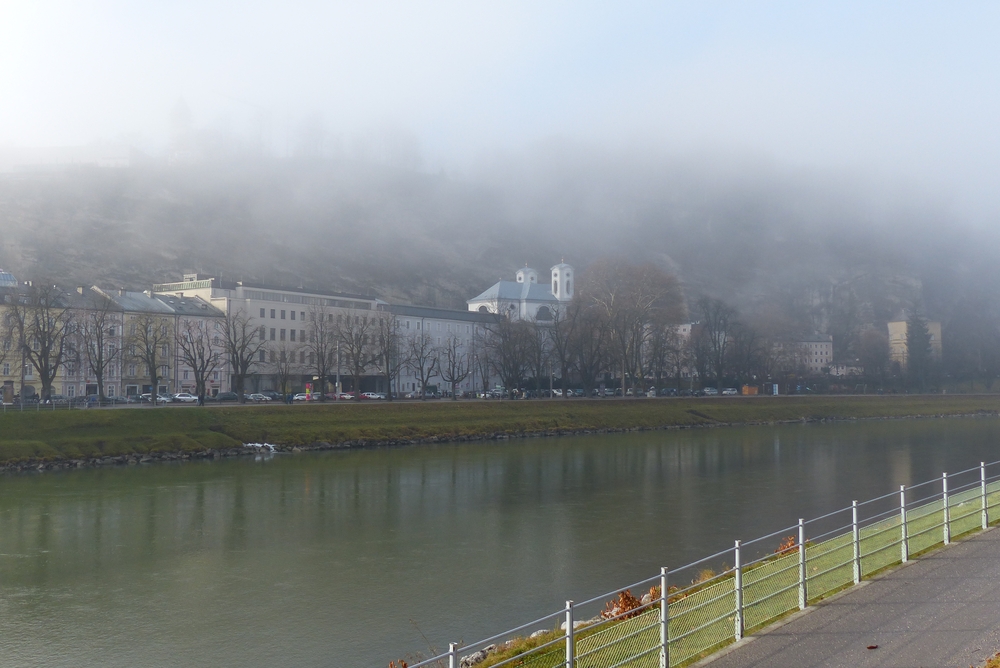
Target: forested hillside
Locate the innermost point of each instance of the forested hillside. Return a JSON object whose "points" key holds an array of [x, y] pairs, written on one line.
{"points": [[803, 252]]}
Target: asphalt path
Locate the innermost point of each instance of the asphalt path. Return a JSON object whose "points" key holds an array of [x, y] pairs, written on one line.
{"points": [[942, 609]]}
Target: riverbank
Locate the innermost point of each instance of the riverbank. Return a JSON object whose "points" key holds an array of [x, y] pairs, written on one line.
{"points": [[33, 440]]}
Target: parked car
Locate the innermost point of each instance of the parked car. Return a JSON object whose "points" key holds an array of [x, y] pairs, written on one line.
{"points": [[668, 392], [730, 391], [258, 397], [710, 392], [272, 395], [185, 398], [369, 395], [227, 396], [302, 396], [160, 399]]}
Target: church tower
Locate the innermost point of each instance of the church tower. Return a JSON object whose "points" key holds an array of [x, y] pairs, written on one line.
{"points": [[562, 282], [527, 275]]}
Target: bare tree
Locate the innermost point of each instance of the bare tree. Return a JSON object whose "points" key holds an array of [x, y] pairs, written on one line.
{"points": [[718, 320], [201, 350], [389, 351], [356, 336], [148, 342], [97, 333], [322, 345], [507, 341], [453, 363], [565, 321], [630, 298], [244, 346], [679, 356], [590, 352], [8, 337], [482, 364], [422, 359], [745, 351], [537, 350], [45, 329], [284, 362]]}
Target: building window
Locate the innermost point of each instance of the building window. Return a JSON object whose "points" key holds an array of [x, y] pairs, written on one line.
{"points": [[272, 357], [164, 371], [263, 333], [302, 335], [6, 368], [272, 314], [111, 390], [164, 351], [272, 333], [262, 313], [292, 314], [215, 375], [185, 375], [302, 357], [282, 336], [302, 315], [291, 333], [282, 315], [260, 356], [131, 369]]}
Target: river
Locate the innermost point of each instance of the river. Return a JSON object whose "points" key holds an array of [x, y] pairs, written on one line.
{"points": [[358, 557]]}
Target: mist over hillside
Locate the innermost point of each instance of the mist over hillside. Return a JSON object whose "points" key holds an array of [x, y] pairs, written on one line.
{"points": [[794, 247]]}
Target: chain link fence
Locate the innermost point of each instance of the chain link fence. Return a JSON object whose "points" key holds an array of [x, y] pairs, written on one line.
{"points": [[684, 614]]}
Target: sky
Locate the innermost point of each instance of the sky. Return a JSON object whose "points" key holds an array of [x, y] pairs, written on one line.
{"points": [[893, 91]]}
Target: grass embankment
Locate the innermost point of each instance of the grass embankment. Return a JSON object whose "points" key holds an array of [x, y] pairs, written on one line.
{"points": [[82, 434]]}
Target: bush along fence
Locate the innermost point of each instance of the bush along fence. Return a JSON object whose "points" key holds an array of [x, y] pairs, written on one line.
{"points": [[684, 614]]}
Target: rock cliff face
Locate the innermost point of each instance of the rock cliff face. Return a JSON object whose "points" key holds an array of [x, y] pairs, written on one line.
{"points": [[802, 251]]}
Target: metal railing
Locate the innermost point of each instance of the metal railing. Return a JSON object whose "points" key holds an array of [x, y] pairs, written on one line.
{"points": [[673, 625]]}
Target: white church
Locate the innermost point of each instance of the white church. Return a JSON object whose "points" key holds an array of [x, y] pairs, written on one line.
{"points": [[525, 298]]}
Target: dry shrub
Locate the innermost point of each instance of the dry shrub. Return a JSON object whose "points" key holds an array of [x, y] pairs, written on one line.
{"points": [[787, 545], [401, 664], [625, 603], [704, 575]]}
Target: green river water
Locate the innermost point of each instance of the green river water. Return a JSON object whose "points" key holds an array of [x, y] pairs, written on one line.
{"points": [[355, 558]]}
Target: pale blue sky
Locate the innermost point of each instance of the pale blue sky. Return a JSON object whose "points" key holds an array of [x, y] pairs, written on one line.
{"points": [[903, 90]]}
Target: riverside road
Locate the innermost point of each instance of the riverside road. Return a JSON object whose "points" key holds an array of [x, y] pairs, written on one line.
{"points": [[943, 609]]}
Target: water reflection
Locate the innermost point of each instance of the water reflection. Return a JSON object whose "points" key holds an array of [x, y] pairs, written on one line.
{"points": [[351, 558]]}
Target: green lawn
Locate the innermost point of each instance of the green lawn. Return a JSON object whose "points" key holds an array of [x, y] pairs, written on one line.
{"points": [[71, 434]]}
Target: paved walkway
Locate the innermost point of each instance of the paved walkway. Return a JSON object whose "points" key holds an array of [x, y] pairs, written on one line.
{"points": [[941, 610]]}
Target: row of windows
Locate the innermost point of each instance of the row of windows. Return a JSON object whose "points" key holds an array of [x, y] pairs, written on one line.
{"points": [[281, 333], [262, 296], [281, 314], [457, 327]]}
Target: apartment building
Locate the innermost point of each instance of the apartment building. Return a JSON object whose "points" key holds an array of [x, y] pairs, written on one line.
{"points": [[283, 318]]}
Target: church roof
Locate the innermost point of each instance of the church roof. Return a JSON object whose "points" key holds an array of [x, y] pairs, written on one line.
{"points": [[510, 291]]}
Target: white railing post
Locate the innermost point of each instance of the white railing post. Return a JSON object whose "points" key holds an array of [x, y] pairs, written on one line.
{"points": [[738, 622], [664, 620], [570, 649], [982, 495], [905, 543], [803, 593], [947, 511], [856, 535], [453, 655]]}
